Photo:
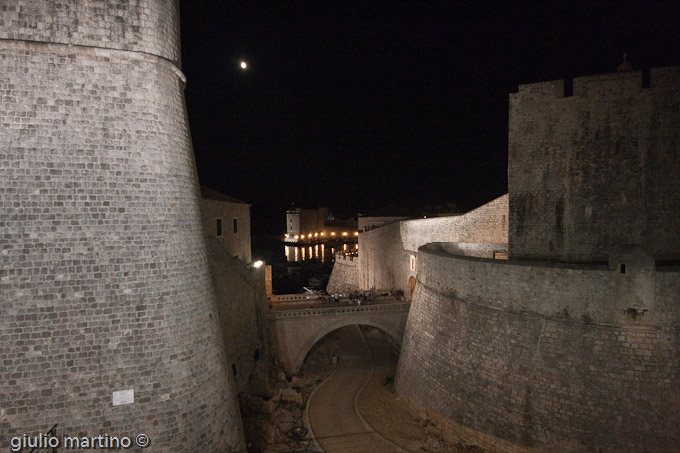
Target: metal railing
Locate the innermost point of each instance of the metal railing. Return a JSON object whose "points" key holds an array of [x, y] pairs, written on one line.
{"points": [[49, 434]]}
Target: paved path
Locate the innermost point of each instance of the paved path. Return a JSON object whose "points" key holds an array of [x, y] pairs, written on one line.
{"points": [[332, 408]]}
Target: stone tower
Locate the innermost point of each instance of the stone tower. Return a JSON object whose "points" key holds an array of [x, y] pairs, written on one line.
{"points": [[108, 323], [595, 167]]}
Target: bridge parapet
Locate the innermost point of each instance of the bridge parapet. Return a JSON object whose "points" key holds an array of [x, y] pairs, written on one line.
{"points": [[335, 311]]}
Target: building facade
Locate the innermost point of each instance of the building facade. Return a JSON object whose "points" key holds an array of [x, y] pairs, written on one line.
{"points": [[227, 219]]}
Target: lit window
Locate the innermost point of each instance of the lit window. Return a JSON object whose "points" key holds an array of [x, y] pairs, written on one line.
{"points": [[413, 262]]}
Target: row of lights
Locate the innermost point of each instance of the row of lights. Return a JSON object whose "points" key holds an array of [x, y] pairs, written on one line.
{"points": [[316, 235]]}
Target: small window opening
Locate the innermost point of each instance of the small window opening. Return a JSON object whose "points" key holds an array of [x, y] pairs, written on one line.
{"points": [[568, 87], [256, 356], [235, 226], [233, 369], [645, 78], [622, 268], [218, 227]]}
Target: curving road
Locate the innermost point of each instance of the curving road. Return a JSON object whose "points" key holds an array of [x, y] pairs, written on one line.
{"points": [[333, 415]]}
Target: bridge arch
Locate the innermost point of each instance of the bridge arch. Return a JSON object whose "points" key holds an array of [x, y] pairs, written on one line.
{"points": [[297, 331], [315, 337]]}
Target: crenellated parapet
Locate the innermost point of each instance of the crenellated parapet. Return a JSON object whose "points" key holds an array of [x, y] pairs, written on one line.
{"points": [[595, 166], [608, 85]]}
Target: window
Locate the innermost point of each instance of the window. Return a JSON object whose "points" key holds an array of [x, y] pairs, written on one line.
{"points": [[413, 262], [235, 226], [218, 227], [233, 369]]}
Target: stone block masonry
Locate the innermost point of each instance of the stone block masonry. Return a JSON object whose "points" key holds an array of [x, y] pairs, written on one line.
{"points": [[241, 297], [593, 171], [386, 253], [544, 355], [345, 275], [104, 280]]}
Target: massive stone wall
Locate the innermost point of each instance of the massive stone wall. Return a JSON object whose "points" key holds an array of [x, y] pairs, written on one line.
{"points": [[145, 26], [545, 355], [595, 170], [104, 280], [383, 262], [241, 296], [345, 275], [385, 253]]}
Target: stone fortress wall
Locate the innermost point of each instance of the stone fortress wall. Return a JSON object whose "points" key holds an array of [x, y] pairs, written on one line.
{"points": [[105, 281], [597, 169], [345, 275], [543, 354], [241, 296], [564, 356], [385, 252]]}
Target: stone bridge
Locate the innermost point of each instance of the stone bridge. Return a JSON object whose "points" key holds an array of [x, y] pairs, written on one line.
{"points": [[297, 330]]}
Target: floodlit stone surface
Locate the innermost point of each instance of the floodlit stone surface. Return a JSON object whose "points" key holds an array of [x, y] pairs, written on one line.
{"points": [[595, 170], [105, 283], [572, 344]]}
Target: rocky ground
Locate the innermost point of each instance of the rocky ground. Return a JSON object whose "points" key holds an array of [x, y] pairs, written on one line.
{"points": [[273, 418], [273, 415]]}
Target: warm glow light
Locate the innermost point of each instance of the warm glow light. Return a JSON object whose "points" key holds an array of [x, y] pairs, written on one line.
{"points": [[356, 246], [332, 234], [323, 234], [316, 234], [258, 263], [356, 233], [285, 235], [344, 233], [244, 65], [302, 237], [344, 246]]}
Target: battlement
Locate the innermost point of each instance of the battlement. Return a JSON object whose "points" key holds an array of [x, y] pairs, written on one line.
{"points": [[148, 26], [612, 84]]}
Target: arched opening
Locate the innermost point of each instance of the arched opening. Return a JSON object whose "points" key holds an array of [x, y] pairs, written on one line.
{"points": [[314, 337], [369, 343], [411, 287]]}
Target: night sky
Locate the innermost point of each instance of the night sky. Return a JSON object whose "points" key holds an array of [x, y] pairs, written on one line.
{"points": [[360, 107]]}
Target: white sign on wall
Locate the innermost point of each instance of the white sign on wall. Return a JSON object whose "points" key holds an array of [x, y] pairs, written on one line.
{"points": [[122, 397]]}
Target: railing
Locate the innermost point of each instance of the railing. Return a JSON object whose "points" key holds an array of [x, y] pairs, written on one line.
{"points": [[343, 255], [343, 310], [49, 434], [294, 297]]}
